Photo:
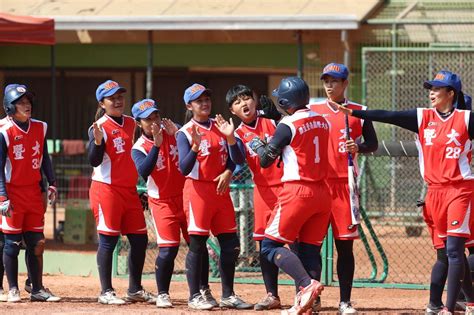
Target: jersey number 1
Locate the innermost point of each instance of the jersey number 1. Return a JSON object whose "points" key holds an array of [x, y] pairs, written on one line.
{"points": [[317, 159]]}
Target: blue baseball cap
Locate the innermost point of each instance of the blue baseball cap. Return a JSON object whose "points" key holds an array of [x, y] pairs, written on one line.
{"points": [[194, 91], [445, 79], [108, 88], [335, 70], [144, 108]]}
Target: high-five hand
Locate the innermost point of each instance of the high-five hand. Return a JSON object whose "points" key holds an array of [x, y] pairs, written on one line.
{"points": [[196, 137], [170, 127], [98, 133], [157, 133]]}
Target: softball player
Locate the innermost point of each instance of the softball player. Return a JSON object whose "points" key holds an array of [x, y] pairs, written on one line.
{"points": [[23, 156], [301, 138], [444, 144], [242, 103], [345, 230], [207, 153], [113, 194], [156, 157]]}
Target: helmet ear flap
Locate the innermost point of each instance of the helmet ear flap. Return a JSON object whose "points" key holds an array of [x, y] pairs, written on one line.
{"points": [[284, 103], [10, 109]]}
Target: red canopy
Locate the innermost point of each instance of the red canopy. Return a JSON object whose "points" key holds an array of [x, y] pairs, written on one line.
{"points": [[26, 30]]}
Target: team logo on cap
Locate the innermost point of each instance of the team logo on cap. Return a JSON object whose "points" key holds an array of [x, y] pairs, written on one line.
{"points": [[196, 88], [440, 76], [110, 85], [21, 89], [332, 68], [146, 105]]}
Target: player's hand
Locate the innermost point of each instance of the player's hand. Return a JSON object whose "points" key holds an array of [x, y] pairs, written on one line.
{"points": [[352, 146], [224, 126], [223, 182], [52, 194], [342, 108], [170, 127], [196, 138], [157, 133], [98, 134], [6, 208], [269, 109]]}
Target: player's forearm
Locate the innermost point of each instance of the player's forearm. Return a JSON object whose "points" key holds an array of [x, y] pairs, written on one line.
{"points": [[237, 152], [187, 157], [3, 160], [145, 163], [47, 167], [95, 152], [370, 143], [404, 119]]}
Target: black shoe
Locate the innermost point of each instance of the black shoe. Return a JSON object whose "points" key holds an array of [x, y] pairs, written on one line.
{"points": [[28, 285], [44, 295]]}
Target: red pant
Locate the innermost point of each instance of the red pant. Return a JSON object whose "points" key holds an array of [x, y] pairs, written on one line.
{"points": [[206, 211], [117, 210], [302, 212], [28, 210], [169, 220]]}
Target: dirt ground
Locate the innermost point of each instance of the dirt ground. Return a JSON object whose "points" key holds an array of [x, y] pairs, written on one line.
{"points": [[80, 297]]}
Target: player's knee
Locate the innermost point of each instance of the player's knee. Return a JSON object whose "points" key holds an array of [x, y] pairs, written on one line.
{"points": [[107, 242], [12, 245], [168, 253], [230, 247], [441, 256], [455, 250], [269, 247], [197, 243], [34, 243], [309, 251], [138, 241]]}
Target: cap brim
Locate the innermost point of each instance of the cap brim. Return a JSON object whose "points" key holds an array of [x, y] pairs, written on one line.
{"points": [[115, 90], [148, 112], [430, 84], [275, 92], [334, 75]]}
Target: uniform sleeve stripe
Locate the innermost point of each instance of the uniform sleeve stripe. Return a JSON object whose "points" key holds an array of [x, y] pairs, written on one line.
{"points": [[419, 114]]}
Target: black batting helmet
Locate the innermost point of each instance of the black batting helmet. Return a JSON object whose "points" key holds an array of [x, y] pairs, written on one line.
{"points": [[13, 92], [293, 92]]}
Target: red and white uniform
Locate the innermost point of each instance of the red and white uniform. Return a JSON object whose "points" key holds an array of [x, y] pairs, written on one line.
{"points": [[444, 150], [303, 207], [206, 211], [267, 180], [3, 122], [22, 175], [341, 219], [113, 194], [165, 191]]}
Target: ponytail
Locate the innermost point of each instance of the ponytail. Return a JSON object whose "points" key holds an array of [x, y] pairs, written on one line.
{"points": [[459, 102], [99, 113]]}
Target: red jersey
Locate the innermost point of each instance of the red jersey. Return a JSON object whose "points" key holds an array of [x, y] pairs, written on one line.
{"points": [[117, 167], [337, 154], [25, 152], [165, 181], [212, 156], [444, 146], [306, 158], [264, 129]]}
